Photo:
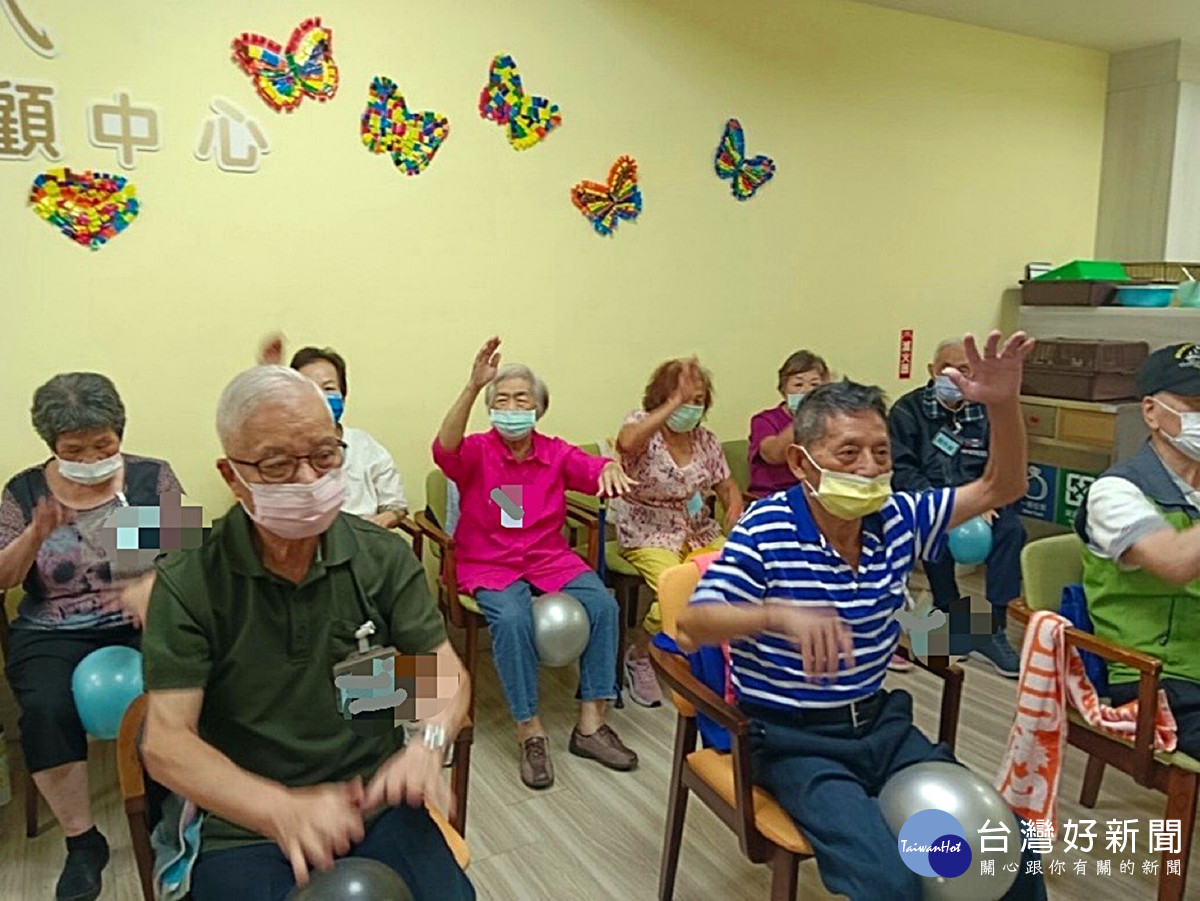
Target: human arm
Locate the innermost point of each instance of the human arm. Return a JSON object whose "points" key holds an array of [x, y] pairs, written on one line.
{"points": [[391, 502], [996, 383], [766, 443], [907, 473], [587, 474], [270, 350], [483, 370], [636, 433], [731, 500], [21, 544], [1124, 525]]}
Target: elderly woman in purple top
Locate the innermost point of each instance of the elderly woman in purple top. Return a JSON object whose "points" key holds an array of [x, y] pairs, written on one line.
{"points": [[57, 540], [771, 430]]}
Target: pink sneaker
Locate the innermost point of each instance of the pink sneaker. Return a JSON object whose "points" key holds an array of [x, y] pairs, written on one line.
{"points": [[642, 682], [899, 664]]}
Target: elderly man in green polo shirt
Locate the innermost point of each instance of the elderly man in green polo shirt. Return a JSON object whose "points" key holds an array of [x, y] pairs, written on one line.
{"points": [[241, 641], [1141, 567]]}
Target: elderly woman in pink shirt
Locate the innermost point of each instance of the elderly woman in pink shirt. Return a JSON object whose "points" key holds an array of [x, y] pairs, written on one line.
{"points": [[771, 429], [504, 560]]}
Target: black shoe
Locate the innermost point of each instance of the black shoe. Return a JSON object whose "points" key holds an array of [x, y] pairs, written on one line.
{"points": [[87, 856]]}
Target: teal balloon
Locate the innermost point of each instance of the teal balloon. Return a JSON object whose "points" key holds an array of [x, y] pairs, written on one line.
{"points": [[104, 684], [971, 542]]}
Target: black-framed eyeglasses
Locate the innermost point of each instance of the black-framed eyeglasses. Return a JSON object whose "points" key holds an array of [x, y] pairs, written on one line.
{"points": [[283, 467]]}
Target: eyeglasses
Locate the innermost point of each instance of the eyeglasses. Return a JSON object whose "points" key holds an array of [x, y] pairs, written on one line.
{"points": [[283, 467]]}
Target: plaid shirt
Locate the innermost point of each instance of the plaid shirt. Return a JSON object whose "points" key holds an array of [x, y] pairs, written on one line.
{"points": [[970, 412]]}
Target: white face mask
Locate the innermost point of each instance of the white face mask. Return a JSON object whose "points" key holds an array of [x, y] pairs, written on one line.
{"points": [[90, 473], [295, 510], [1188, 440]]}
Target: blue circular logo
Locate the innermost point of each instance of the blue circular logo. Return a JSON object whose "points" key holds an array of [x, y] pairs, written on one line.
{"points": [[933, 843]]}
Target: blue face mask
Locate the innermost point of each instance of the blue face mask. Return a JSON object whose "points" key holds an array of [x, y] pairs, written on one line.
{"points": [[337, 404], [795, 400], [685, 418], [946, 391], [513, 424]]}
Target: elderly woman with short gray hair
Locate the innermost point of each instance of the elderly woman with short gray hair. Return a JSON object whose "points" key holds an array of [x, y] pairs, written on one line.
{"points": [[53, 518], [504, 558]]}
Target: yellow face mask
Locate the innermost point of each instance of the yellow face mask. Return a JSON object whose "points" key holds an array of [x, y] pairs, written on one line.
{"points": [[848, 496]]}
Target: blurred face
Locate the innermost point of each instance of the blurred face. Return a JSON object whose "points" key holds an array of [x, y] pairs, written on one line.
{"points": [[855, 443], [804, 382], [323, 374], [952, 357], [1160, 419], [87, 446], [295, 425], [514, 394]]}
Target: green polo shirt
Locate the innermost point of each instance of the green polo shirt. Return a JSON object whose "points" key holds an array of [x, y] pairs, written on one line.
{"points": [[263, 649]]}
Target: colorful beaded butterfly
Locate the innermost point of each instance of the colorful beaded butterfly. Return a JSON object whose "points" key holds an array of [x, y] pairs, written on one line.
{"points": [[283, 78], [388, 127], [604, 205], [504, 101], [748, 175]]}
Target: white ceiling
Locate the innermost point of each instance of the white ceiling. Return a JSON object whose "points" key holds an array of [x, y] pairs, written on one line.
{"points": [[1110, 25]]}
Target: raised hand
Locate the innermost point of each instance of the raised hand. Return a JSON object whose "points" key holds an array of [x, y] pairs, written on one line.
{"points": [[49, 515], [270, 351], [688, 382], [996, 373], [486, 364]]}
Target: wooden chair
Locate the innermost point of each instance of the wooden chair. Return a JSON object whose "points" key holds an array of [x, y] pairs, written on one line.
{"points": [[436, 550], [29, 787], [1046, 566], [132, 778], [722, 780]]}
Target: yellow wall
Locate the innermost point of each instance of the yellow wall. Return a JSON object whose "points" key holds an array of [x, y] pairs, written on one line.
{"points": [[921, 164]]}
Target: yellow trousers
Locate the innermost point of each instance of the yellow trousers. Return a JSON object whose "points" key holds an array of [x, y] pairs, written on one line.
{"points": [[650, 562]]}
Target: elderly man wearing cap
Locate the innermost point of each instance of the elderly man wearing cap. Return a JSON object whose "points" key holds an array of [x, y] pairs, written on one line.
{"points": [[1142, 562]]}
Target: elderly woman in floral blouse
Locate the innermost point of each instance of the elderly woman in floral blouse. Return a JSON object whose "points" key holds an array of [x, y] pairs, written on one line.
{"points": [[674, 463]]}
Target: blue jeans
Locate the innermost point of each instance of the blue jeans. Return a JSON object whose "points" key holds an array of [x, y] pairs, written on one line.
{"points": [[405, 838], [828, 779], [509, 614]]}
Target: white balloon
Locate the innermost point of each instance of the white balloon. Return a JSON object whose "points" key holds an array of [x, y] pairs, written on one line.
{"points": [[560, 628]]}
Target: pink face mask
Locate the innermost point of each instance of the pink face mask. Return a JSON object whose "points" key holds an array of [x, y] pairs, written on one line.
{"points": [[295, 510]]}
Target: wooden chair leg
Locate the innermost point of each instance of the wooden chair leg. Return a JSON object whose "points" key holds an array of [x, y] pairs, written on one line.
{"points": [[622, 617], [1182, 787], [677, 798], [472, 654], [1092, 777], [140, 838], [459, 781], [785, 875], [31, 806]]}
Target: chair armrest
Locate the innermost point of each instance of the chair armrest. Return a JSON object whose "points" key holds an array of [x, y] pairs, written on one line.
{"points": [[678, 675], [414, 531], [591, 523], [448, 576], [130, 773]]}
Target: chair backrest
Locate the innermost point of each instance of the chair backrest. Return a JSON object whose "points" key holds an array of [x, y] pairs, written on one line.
{"points": [[675, 587], [1047, 565], [436, 492], [586, 501], [737, 455]]}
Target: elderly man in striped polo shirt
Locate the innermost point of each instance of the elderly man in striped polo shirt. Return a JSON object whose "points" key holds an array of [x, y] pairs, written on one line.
{"points": [[807, 590]]}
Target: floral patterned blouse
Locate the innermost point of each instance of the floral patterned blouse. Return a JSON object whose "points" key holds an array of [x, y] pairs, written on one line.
{"points": [[666, 508]]}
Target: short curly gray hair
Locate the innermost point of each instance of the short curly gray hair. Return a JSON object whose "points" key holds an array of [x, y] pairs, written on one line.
{"points": [[541, 394], [77, 402]]}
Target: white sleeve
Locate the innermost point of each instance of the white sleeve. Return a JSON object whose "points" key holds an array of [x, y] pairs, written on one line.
{"points": [[389, 487], [1119, 516]]}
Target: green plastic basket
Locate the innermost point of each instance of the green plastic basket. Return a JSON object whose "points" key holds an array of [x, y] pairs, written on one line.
{"points": [[1086, 270]]}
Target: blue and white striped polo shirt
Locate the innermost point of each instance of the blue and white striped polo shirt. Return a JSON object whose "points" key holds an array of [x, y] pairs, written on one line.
{"points": [[776, 551]]}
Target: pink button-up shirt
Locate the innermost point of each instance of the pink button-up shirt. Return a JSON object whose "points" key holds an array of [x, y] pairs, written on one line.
{"points": [[491, 556]]}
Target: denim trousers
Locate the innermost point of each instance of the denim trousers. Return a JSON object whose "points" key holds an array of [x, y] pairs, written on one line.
{"points": [[509, 614], [828, 779]]}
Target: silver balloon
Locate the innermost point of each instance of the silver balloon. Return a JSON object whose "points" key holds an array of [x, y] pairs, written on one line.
{"points": [[972, 801], [560, 628], [354, 879]]}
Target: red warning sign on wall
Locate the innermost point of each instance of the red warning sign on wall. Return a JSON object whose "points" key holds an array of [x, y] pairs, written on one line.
{"points": [[906, 353]]}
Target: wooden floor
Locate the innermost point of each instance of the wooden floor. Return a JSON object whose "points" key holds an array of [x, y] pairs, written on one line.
{"points": [[598, 834]]}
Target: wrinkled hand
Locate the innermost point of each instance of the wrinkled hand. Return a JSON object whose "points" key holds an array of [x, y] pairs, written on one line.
{"points": [[317, 824], [49, 515], [486, 364], [733, 514], [270, 352], [688, 383], [412, 776], [996, 374], [614, 482], [819, 633]]}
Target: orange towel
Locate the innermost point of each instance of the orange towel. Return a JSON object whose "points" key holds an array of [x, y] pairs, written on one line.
{"points": [[1050, 677]]}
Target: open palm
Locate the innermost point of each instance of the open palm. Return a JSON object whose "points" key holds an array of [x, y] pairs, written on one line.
{"points": [[996, 373]]}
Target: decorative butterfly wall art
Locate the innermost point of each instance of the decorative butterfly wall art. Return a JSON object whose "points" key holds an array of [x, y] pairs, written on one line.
{"points": [[283, 77], [388, 127], [605, 205], [747, 175], [504, 101]]}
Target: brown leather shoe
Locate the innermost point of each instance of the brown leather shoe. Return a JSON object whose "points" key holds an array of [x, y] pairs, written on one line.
{"points": [[536, 769], [604, 746]]}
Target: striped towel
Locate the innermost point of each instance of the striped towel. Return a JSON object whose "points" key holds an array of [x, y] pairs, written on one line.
{"points": [[1050, 677]]}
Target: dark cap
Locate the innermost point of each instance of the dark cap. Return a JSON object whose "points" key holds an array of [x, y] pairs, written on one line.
{"points": [[1175, 368]]}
